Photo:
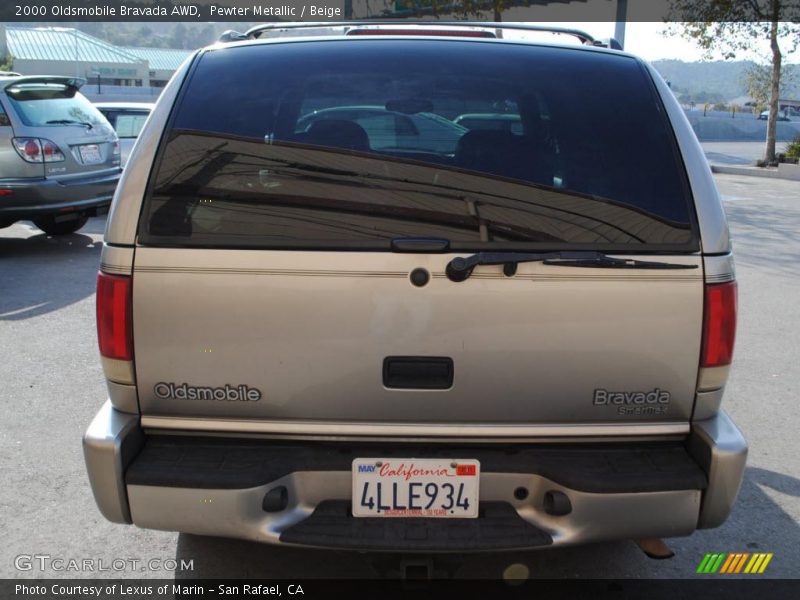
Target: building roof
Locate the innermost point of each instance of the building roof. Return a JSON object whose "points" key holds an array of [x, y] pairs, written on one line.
{"points": [[160, 59], [64, 43]]}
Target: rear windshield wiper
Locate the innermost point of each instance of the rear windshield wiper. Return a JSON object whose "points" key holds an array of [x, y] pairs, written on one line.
{"points": [[69, 122], [461, 268]]}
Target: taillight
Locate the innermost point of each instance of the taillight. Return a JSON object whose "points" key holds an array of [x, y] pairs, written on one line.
{"points": [[114, 324], [29, 149], [51, 152], [35, 150], [115, 148], [719, 324]]}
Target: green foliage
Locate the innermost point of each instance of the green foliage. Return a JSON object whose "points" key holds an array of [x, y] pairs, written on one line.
{"points": [[758, 79], [7, 64], [728, 27], [793, 148]]}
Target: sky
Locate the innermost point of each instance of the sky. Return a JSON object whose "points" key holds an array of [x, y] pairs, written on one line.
{"points": [[647, 40]]}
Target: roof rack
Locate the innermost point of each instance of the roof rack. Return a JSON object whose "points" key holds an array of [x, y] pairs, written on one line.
{"points": [[261, 30]]}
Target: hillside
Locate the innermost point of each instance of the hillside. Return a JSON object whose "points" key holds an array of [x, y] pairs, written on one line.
{"points": [[713, 81], [716, 81]]}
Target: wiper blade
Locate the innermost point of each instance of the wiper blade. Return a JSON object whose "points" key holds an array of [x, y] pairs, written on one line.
{"points": [[69, 122], [460, 268]]}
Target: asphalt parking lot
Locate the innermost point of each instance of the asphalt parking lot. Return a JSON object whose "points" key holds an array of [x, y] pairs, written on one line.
{"points": [[51, 386], [737, 153]]}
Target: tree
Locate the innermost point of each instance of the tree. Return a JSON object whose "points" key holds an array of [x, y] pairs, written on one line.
{"points": [[730, 27], [758, 79], [7, 64], [179, 36]]}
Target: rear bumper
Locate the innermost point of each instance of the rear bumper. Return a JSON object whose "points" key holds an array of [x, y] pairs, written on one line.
{"points": [[30, 199], [218, 486], [721, 451]]}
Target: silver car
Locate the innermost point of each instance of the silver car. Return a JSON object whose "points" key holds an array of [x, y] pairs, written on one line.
{"points": [[59, 157], [517, 340], [127, 119]]}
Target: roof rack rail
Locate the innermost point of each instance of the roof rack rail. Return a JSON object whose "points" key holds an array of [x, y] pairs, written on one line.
{"points": [[260, 30]]}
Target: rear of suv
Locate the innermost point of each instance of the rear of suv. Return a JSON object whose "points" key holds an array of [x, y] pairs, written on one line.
{"points": [[336, 332], [59, 157]]}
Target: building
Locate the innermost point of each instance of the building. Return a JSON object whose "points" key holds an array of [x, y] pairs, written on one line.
{"points": [[162, 62], [68, 51]]}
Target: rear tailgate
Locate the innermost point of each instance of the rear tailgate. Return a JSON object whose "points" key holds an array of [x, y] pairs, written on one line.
{"points": [[51, 109], [267, 288], [311, 331]]}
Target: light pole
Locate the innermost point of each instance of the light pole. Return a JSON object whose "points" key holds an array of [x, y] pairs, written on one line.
{"points": [[622, 17], [77, 67]]}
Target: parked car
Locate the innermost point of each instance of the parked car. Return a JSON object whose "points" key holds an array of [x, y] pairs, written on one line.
{"points": [[764, 116], [519, 342], [494, 121], [59, 157], [127, 119], [388, 129]]}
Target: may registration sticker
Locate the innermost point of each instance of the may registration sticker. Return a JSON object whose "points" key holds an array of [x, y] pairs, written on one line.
{"points": [[416, 487]]}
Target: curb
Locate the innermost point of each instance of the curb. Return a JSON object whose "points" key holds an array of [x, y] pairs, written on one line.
{"points": [[792, 174]]}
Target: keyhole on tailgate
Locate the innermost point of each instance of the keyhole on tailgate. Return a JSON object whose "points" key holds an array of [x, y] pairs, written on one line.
{"points": [[420, 277]]}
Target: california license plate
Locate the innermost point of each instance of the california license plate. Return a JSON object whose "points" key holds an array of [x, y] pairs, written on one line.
{"points": [[90, 154], [412, 487]]}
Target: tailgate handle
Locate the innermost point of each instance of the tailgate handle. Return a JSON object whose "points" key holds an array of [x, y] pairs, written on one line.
{"points": [[418, 372]]}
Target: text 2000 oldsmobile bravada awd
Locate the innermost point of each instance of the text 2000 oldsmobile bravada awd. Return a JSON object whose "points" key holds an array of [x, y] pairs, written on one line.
{"points": [[331, 316]]}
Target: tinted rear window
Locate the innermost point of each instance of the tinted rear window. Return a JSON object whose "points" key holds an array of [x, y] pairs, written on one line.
{"points": [[51, 104], [349, 144]]}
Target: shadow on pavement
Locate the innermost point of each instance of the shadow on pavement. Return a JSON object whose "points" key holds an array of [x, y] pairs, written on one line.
{"points": [[719, 158], [46, 273], [763, 238]]}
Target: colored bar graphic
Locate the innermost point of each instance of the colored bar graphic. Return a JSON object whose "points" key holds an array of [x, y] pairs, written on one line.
{"points": [[717, 563], [729, 567], [729, 564], [765, 563], [703, 563], [740, 564], [755, 561]]}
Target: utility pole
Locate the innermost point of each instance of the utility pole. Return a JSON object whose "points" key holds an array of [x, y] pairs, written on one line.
{"points": [[622, 17]]}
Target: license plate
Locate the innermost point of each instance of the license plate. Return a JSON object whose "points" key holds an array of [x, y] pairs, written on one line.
{"points": [[412, 487], [90, 154]]}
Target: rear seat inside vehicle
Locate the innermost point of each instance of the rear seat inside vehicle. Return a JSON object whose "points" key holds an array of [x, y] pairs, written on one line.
{"points": [[506, 154]]}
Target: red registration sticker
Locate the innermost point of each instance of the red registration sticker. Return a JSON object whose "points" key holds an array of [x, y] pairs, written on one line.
{"points": [[466, 470]]}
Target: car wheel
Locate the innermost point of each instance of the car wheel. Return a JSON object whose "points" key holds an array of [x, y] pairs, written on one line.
{"points": [[52, 227]]}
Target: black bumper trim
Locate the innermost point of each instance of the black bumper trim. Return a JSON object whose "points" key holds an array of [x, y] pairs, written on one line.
{"points": [[219, 463], [498, 527]]}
